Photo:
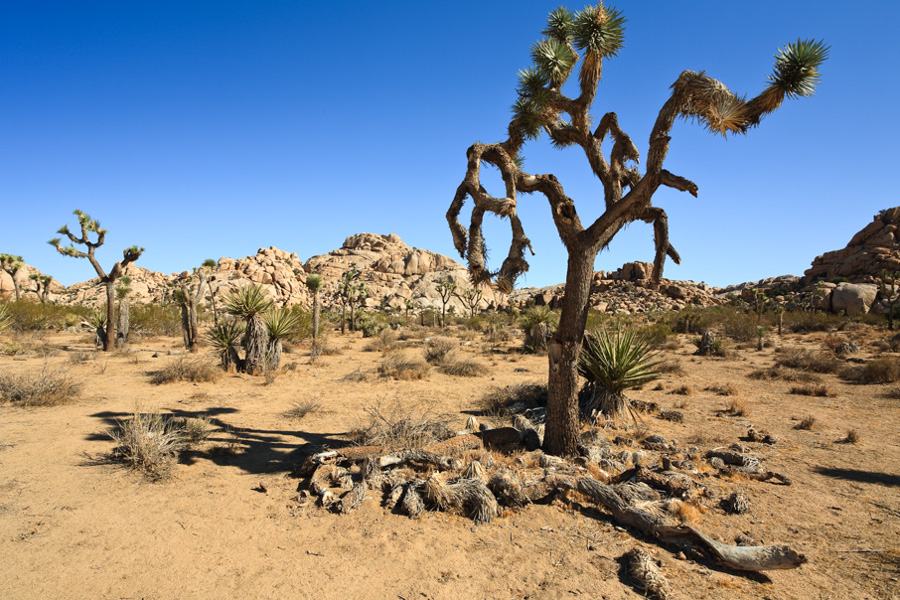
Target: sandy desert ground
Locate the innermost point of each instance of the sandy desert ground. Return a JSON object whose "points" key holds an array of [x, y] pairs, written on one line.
{"points": [[73, 525]]}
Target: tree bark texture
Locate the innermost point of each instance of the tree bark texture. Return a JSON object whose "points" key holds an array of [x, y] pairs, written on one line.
{"points": [[256, 341], [124, 323], [315, 316], [109, 343]]}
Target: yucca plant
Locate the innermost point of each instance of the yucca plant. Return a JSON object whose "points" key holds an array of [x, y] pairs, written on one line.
{"points": [[98, 320], [612, 362], [5, 317], [281, 323], [538, 323], [225, 338], [250, 303]]}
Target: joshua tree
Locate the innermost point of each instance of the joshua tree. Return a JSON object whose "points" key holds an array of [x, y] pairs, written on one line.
{"points": [[445, 288], [250, 303], [188, 295], [43, 285], [314, 284], [11, 264], [124, 316], [592, 35], [225, 337], [129, 255], [359, 293], [281, 323], [888, 284], [471, 298], [346, 292]]}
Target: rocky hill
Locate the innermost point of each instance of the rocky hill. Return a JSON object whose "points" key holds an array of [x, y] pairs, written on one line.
{"points": [[873, 249]]}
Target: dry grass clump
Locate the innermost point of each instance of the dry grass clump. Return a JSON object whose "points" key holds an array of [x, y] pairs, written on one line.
{"points": [[804, 360], [401, 428], [193, 429], [684, 390], [806, 424], [852, 437], [148, 443], [79, 358], [464, 368], [397, 366], [821, 391], [185, 368], [670, 367], [497, 402], [785, 374], [737, 408], [438, 349], [302, 408], [385, 341], [727, 389], [880, 370], [50, 387]]}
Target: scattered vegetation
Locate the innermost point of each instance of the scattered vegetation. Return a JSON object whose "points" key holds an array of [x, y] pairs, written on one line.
{"points": [[885, 369], [302, 408], [502, 402], [186, 368], [397, 366], [147, 443], [812, 390], [463, 368], [402, 428], [48, 387], [806, 424], [439, 348]]}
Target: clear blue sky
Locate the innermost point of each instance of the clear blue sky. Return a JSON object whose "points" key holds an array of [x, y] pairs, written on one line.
{"points": [[201, 129]]}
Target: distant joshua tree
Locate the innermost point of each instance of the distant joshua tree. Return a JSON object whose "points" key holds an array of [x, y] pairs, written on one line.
{"points": [[591, 36], [188, 295], [314, 283], [129, 255], [346, 292], [11, 264], [471, 298], [43, 285], [446, 289]]}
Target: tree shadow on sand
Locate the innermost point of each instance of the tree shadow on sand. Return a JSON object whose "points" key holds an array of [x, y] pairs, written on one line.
{"points": [[254, 451], [860, 476]]}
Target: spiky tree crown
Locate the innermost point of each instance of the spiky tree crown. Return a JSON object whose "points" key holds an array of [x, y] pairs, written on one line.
{"points": [[281, 323], [11, 263], [247, 302], [314, 283]]}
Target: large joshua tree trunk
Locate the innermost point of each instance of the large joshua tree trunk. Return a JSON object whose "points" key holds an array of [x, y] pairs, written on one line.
{"points": [[124, 322], [256, 341], [109, 343]]}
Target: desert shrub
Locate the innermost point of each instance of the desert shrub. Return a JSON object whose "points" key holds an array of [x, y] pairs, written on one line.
{"points": [[28, 315], [79, 358], [726, 389], [385, 340], [538, 323], [148, 443], [821, 391], [807, 322], [186, 368], [737, 408], [656, 334], [851, 438], [513, 398], [785, 374], [302, 408], [709, 345], [670, 366], [397, 366], [49, 387], [303, 325], [684, 390], [371, 323], [402, 428], [804, 360], [12, 348], [463, 368], [439, 348], [879, 370], [156, 319], [193, 429]]}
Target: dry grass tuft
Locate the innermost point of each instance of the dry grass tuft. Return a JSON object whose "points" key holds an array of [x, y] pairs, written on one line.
{"points": [[463, 368], [397, 366], [806, 424], [727, 389], [737, 408], [186, 368], [385, 341], [852, 437], [438, 349], [785, 374], [302, 408], [78, 358], [50, 387], [821, 391], [193, 429], [148, 443], [670, 367], [402, 428], [880, 370], [804, 360], [684, 390]]}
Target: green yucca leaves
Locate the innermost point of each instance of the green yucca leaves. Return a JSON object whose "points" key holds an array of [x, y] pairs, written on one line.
{"points": [[5, 318], [314, 282], [553, 58], [532, 82], [796, 67], [559, 24], [281, 323], [599, 31], [247, 302], [612, 363], [225, 335]]}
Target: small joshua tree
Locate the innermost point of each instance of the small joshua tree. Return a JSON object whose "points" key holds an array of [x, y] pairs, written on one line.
{"points": [[188, 295], [346, 292], [888, 284], [471, 298], [360, 292], [314, 283], [591, 36], [129, 255], [42, 283], [281, 323], [11, 264], [249, 304], [123, 325], [445, 288]]}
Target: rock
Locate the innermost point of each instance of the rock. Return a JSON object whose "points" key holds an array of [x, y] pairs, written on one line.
{"points": [[872, 250], [853, 299]]}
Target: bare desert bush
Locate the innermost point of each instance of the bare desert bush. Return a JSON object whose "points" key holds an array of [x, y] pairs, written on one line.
{"points": [[49, 387], [384, 341], [193, 429], [821, 391], [149, 443], [880, 370], [438, 349], [402, 428], [463, 368], [806, 424], [852, 437], [726, 389], [804, 360], [186, 368], [670, 367], [302, 408], [397, 366], [737, 408], [807, 322], [498, 402]]}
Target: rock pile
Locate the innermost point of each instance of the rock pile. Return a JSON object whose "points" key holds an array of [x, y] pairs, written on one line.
{"points": [[873, 249]]}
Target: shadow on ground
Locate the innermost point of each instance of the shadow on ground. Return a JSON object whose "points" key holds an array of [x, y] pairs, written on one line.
{"points": [[860, 476]]}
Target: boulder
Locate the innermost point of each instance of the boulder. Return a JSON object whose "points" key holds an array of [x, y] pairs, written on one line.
{"points": [[853, 299]]}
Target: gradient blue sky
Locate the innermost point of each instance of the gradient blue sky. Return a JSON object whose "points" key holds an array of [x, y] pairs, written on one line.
{"points": [[203, 129]]}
